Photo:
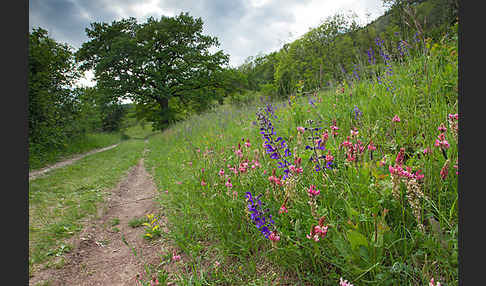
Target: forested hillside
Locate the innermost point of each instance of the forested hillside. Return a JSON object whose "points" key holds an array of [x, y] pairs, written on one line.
{"points": [[339, 48]]}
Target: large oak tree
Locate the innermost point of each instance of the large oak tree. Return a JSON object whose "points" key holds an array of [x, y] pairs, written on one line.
{"points": [[154, 62]]}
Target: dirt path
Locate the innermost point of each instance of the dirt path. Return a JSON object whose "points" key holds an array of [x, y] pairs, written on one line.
{"points": [[36, 173], [99, 255]]}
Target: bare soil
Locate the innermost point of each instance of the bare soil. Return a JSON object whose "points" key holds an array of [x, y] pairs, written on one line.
{"points": [[36, 173], [99, 255]]}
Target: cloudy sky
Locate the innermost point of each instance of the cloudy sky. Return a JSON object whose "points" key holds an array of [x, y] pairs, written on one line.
{"points": [[243, 27]]}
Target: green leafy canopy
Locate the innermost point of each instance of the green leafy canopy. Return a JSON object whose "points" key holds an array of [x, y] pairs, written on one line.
{"points": [[154, 62]]}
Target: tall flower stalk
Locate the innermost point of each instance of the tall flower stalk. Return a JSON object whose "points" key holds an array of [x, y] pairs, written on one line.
{"points": [[387, 61], [318, 146], [260, 215], [276, 147]]}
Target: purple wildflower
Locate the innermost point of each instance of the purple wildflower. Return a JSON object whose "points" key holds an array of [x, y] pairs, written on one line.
{"points": [[273, 146], [357, 113], [259, 215], [371, 57]]}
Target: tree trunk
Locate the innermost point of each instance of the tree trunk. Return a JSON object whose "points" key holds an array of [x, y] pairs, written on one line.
{"points": [[164, 110]]}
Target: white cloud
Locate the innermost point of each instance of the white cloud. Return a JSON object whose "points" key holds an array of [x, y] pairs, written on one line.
{"points": [[244, 27], [87, 80]]}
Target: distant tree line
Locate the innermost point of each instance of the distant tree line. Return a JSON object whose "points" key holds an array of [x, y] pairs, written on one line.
{"points": [[333, 51]]}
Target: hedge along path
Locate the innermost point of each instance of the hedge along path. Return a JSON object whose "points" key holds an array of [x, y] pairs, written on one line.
{"points": [[36, 173], [100, 255]]}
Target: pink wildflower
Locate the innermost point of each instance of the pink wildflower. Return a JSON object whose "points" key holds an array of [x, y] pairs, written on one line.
{"points": [[239, 153], [203, 183], [298, 161], [334, 128], [442, 128], [283, 208], [347, 143], [418, 175], [243, 167], [247, 143], [371, 147], [393, 170], [295, 170], [234, 170], [221, 172], [175, 257], [228, 184], [441, 142], [154, 281], [300, 129], [179, 183], [453, 116], [426, 151], [329, 157], [274, 236], [344, 282], [318, 231], [313, 191], [400, 156], [255, 164], [273, 179], [432, 282], [325, 136], [396, 118], [444, 171], [354, 132], [315, 237], [351, 153]]}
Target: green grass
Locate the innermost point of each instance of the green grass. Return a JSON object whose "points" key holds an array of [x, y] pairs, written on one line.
{"points": [[115, 222], [373, 237], [60, 202], [38, 159], [140, 131], [137, 222], [87, 143]]}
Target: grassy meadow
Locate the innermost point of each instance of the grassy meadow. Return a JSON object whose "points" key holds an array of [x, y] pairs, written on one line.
{"points": [[90, 141], [356, 183], [370, 193]]}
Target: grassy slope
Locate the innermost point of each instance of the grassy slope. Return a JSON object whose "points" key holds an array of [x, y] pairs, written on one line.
{"points": [[84, 144], [363, 244], [80, 145], [62, 200], [212, 225]]}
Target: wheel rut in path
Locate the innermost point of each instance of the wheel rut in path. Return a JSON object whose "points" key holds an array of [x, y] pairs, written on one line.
{"points": [[99, 255], [36, 173]]}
